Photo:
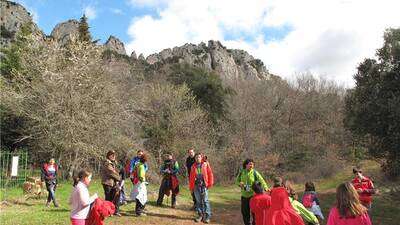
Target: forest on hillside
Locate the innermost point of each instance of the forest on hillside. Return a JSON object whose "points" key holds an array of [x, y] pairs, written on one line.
{"points": [[75, 102]]}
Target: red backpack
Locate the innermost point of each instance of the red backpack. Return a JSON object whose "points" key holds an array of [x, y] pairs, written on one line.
{"points": [[308, 200]]}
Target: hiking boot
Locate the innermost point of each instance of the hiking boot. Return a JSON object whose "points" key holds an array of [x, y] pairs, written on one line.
{"points": [[56, 205], [117, 214], [206, 221], [141, 214], [47, 204], [173, 206], [198, 219]]}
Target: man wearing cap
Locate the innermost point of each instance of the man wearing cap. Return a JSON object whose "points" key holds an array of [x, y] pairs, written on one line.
{"points": [[364, 187], [110, 178]]}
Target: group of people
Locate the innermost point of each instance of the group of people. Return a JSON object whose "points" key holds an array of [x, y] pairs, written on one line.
{"points": [[279, 205], [260, 205]]}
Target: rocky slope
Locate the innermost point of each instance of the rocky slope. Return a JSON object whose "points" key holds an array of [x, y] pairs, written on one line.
{"points": [[13, 17], [230, 64]]}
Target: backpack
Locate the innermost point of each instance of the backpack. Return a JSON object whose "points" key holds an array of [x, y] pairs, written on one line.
{"points": [[255, 176], [308, 200]]}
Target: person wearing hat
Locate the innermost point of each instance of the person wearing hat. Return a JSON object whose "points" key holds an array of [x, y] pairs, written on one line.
{"points": [[110, 178], [49, 176]]}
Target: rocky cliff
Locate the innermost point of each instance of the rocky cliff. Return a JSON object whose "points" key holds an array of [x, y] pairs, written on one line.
{"points": [[116, 45], [65, 31], [230, 64], [13, 17]]}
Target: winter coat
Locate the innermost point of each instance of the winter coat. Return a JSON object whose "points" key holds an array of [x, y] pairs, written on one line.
{"points": [[109, 173], [281, 211], [335, 219], [48, 176], [367, 189], [259, 204], [248, 178], [170, 182], [100, 210], [207, 173], [306, 214]]}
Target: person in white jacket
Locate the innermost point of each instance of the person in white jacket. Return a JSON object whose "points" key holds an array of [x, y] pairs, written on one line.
{"points": [[80, 200]]}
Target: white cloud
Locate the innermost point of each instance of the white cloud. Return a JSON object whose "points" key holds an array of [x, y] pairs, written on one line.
{"points": [[90, 12], [328, 38]]}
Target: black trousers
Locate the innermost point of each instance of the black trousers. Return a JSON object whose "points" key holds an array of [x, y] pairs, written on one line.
{"points": [[165, 184], [246, 213], [194, 199], [139, 208], [110, 194]]}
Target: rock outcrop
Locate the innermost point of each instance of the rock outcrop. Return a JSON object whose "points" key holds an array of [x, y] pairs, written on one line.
{"points": [[65, 31], [116, 45], [230, 64], [13, 16]]}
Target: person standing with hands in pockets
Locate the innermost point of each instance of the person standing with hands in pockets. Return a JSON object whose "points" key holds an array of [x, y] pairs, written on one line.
{"points": [[245, 180]]}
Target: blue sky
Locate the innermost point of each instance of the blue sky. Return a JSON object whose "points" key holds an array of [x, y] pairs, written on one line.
{"points": [[111, 17], [327, 38]]}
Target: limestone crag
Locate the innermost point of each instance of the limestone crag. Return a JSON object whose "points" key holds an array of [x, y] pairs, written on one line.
{"points": [[116, 45], [229, 64], [12, 17], [133, 55], [65, 31]]}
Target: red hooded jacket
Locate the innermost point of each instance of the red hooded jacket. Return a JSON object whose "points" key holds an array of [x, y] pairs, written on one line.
{"points": [[281, 211], [207, 175], [99, 211], [259, 204]]}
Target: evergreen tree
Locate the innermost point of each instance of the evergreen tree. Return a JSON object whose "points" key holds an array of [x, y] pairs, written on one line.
{"points": [[373, 106], [84, 33]]}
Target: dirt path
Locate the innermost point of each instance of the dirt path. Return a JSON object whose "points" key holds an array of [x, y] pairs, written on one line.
{"points": [[182, 215]]}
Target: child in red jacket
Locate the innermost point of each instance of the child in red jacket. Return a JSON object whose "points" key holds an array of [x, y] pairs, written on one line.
{"points": [[364, 187], [259, 203]]}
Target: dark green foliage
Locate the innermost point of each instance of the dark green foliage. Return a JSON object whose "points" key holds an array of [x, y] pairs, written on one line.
{"points": [[84, 33], [11, 129], [257, 64], [373, 106], [207, 88], [10, 60]]}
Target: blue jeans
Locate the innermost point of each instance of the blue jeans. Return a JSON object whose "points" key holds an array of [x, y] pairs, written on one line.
{"points": [[51, 189], [202, 203]]}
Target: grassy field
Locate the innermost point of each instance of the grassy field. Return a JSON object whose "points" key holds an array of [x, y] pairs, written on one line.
{"points": [[225, 203]]}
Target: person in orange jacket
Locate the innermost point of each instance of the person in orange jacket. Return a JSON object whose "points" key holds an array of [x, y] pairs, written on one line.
{"points": [[364, 187], [201, 179]]}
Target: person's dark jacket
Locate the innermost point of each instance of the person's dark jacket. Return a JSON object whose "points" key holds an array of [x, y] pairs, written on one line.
{"points": [[189, 163]]}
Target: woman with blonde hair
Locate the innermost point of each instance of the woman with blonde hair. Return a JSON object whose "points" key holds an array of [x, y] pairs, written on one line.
{"points": [[348, 209]]}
